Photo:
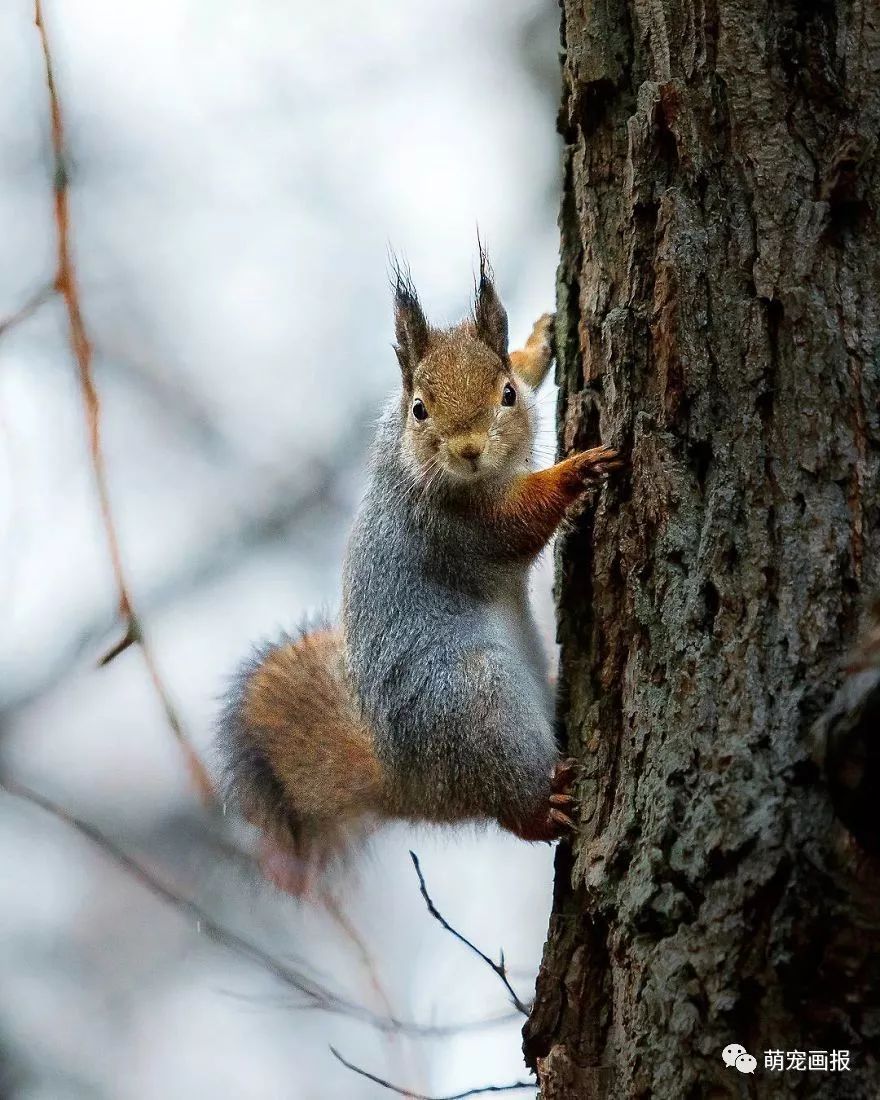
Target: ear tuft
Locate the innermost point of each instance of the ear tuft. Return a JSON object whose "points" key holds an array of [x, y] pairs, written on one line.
{"points": [[411, 331], [490, 316]]}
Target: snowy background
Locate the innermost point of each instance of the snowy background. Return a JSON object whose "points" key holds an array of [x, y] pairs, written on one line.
{"points": [[237, 172]]}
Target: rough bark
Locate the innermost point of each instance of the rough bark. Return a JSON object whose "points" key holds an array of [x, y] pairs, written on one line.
{"points": [[718, 320]]}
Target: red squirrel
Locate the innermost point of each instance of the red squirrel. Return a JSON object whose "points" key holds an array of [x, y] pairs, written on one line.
{"points": [[430, 700]]}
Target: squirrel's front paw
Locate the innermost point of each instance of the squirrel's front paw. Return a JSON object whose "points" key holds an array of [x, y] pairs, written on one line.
{"points": [[541, 337], [597, 463]]}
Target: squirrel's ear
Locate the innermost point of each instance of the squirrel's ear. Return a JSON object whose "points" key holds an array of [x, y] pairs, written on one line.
{"points": [[490, 316], [410, 326]]}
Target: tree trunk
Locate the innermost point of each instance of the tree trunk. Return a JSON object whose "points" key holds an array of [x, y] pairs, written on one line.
{"points": [[718, 321]]}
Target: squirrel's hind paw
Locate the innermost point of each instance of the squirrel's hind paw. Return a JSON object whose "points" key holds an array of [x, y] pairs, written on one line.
{"points": [[557, 818]]}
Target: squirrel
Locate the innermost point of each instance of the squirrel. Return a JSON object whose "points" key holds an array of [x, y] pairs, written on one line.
{"points": [[431, 700]]}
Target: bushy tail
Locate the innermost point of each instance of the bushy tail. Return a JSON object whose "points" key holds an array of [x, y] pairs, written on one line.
{"points": [[298, 759]]}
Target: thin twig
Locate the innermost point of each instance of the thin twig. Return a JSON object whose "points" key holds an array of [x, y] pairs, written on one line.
{"points": [[480, 1091], [29, 307], [66, 285], [317, 996], [204, 922], [128, 639], [498, 967]]}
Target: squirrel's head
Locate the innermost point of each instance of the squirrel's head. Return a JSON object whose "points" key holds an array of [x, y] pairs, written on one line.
{"points": [[467, 417]]}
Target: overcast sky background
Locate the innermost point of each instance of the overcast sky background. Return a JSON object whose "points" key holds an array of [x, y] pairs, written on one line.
{"points": [[238, 172]]}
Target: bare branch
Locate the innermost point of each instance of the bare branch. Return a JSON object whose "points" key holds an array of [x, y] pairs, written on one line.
{"points": [[317, 997], [498, 967], [204, 922], [128, 639], [29, 307], [67, 286], [480, 1091]]}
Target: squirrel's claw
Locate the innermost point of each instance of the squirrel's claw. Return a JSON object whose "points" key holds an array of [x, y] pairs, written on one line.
{"points": [[557, 817], [561, 819], [599, 462], [564, 774]]}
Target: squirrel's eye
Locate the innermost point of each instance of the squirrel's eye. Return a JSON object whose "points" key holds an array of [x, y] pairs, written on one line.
{"points": [[419, 411], [508, 395]]}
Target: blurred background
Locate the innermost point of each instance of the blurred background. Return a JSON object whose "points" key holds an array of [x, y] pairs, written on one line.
{"points": [[236, 175]]}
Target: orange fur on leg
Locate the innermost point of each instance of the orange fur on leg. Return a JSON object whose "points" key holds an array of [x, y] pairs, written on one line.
{"points": [[537, 502]]}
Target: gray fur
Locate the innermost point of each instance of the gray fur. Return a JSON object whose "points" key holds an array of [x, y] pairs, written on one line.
{"points": [[443, 652]]}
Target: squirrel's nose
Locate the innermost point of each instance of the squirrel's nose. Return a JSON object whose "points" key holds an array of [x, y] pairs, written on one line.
{"points": [[469, 449]]}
